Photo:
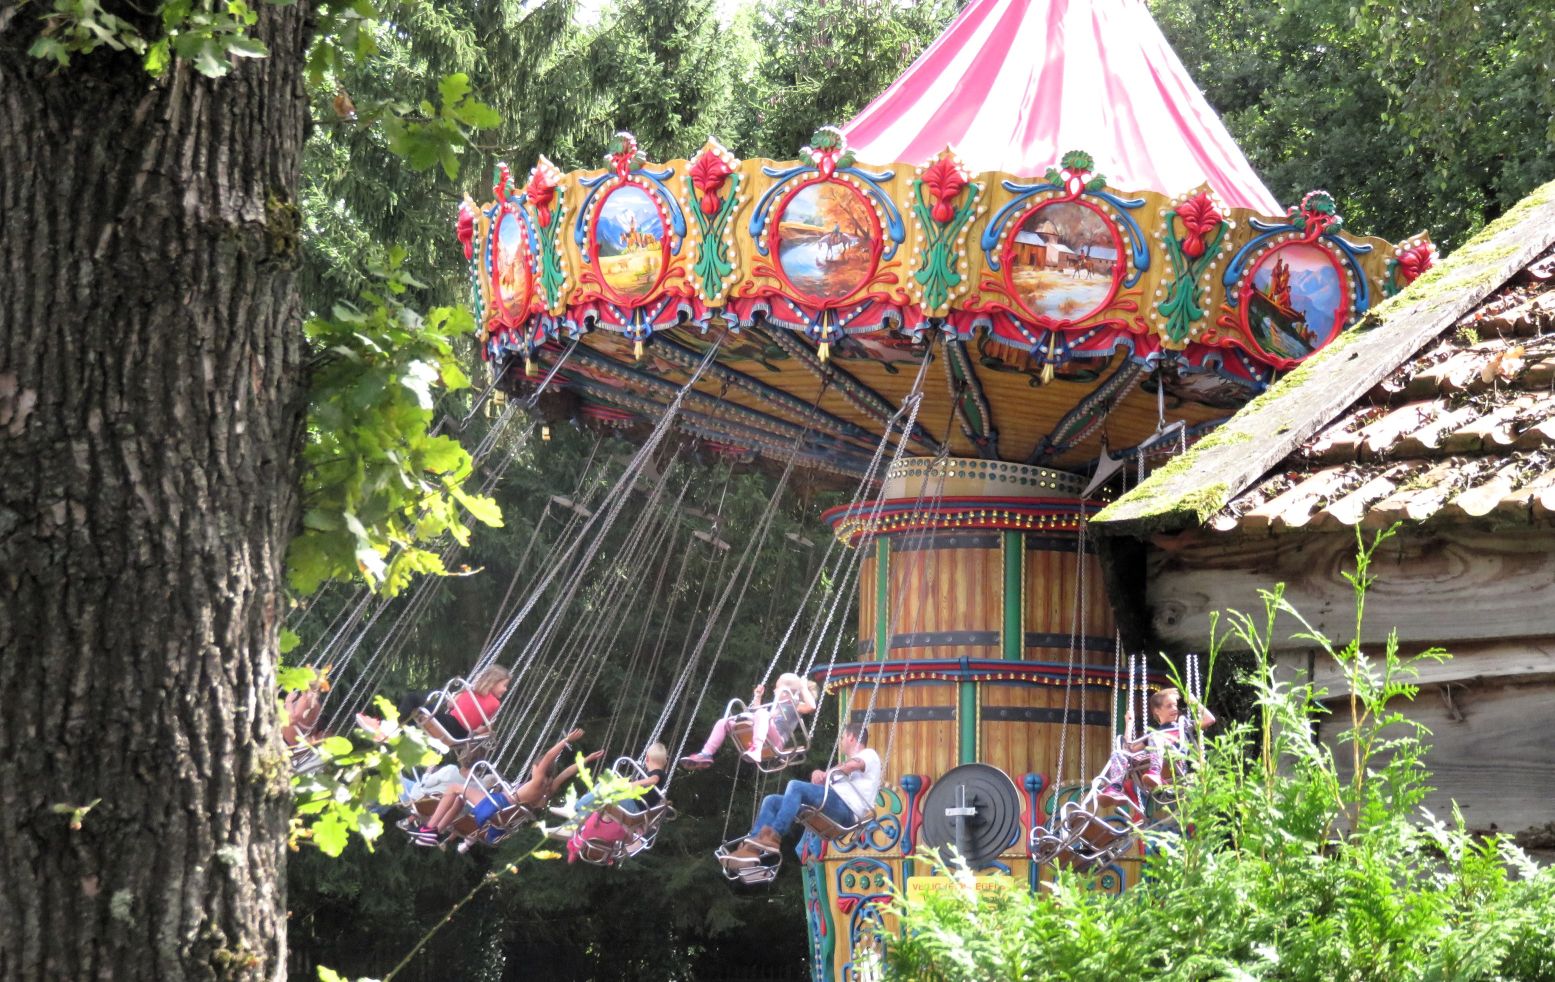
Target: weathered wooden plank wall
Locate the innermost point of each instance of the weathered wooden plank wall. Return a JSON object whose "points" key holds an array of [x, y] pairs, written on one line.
{"points": [[1453, 585], [1489, 752], [1054, 585], [1019, 748]]}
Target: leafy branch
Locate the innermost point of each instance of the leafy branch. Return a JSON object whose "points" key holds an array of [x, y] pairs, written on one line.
{"points": [[378, 484]]}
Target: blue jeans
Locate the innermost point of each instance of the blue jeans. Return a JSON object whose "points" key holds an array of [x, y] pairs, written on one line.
{"points": [[779, 810]]}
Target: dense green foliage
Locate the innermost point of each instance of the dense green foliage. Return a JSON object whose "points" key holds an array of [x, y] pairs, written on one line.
{"points": [[1436, 116], [379, 484], [1306, 861]]}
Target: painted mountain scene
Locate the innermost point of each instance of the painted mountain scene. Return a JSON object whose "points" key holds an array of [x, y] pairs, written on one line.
{"points": [[1294, 304], [630, 240], [1063, 262]]}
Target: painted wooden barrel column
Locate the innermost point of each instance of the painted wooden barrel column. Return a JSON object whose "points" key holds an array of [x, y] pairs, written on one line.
{"points": [[969, 648]]}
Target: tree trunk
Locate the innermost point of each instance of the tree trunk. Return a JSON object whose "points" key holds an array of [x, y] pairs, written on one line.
{"points": [[151, 402]]}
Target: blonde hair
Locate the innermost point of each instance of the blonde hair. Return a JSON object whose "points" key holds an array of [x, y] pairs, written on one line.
{"points": [[794, 683], [657, 752], [490, 677]]}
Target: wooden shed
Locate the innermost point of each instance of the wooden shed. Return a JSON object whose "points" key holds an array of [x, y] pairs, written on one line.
{"points": [[1436, 412]]}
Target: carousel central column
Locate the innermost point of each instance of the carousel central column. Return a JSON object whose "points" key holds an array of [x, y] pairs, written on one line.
{"points": [[984, 638]]}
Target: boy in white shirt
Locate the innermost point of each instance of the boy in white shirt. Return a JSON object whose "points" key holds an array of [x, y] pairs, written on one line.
{"points": [[854, 784]]}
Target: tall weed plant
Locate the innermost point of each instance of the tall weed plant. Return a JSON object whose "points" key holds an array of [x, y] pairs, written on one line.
{"points": [[1294, 868]]}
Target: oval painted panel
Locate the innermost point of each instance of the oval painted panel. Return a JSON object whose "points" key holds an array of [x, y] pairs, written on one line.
{"points": [[1064, 262], [828, 238], [511, 272], [630, 249], [1294, 301]]}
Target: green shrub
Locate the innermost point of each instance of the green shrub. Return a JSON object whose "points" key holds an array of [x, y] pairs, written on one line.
{"points": [[1294, 870]]}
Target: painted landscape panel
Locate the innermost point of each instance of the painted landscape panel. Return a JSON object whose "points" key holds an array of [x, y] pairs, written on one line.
{"points": [[1294, 301], [826, 244], [512, 264], [629, 237], [1064, 262]]}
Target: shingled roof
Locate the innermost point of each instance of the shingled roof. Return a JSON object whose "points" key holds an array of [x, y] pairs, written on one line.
{"points": [[1439, 405], [1465, 430]]}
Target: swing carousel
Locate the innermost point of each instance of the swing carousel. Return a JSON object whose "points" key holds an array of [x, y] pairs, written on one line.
{"points": [[1012, 286]]}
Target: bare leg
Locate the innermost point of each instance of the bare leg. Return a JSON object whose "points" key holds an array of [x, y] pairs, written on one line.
{"points": [[449, 807]]}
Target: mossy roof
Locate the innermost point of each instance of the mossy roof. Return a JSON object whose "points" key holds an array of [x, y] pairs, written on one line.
{"points": [[1259, 438]]}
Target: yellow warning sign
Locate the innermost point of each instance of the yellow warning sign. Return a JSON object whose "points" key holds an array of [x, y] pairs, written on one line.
{"points": [[919, 887]]}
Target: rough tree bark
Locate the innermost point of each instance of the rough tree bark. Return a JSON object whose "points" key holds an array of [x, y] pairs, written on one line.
{"points": [[150, 419]]}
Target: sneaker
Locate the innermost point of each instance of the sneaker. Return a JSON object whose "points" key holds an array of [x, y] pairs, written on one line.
{"points": [[562, 811], [696, 762]]}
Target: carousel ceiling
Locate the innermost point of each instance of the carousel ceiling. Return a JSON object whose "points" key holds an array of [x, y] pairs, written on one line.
{"points": [[1053, 306]]}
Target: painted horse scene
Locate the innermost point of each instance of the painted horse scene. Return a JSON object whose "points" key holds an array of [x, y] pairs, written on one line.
{"points": [[1294, 300], [826, 240], [630, 239], [1064, 261]]}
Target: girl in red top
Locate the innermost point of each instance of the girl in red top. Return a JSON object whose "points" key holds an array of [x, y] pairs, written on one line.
{"points": [[471, 712], [474, 708], [468, 715]]}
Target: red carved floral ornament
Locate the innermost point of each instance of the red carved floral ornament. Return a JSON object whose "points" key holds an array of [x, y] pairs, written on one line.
{"points": [[465, 227], [1199, 218], [623, 154], [541, 192], [1414, 260], [943, 180], [709, 171]]}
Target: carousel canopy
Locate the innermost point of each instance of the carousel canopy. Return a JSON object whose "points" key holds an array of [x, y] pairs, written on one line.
{"points": [[1050, 211], [1014, 84]]}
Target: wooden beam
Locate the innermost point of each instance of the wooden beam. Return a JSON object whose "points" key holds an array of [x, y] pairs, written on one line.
{"points": [[784, 402], [1453, 585], [1201, 482]]}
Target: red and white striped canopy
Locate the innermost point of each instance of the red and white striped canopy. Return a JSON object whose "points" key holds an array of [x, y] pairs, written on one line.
{"points": [[1012, 85]]}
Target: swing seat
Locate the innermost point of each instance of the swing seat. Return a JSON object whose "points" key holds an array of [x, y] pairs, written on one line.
{"points": [[772, 759], [1082, 840], [463, 827], [756, 875], [1044, 846], [425, 716], [641, 828], [305, 759], [762, 868], [824, 826], [1089, 841]]}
